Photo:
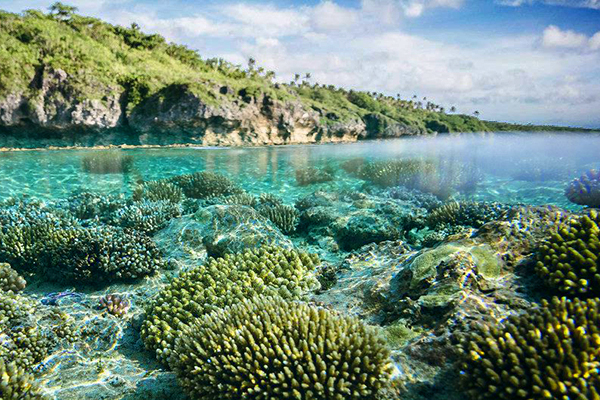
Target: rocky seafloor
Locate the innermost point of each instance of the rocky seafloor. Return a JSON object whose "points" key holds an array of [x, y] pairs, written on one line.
{"points": [[95, 285]]}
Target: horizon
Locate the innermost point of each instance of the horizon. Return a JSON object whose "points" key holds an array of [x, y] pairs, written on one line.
{"points": [[521, 61]]}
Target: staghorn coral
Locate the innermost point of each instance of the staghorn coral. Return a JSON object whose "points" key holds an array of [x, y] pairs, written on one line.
{"points": [[280, 350], [88, 205], [10, 280], [547, 353], [98, 255], [311, 175], [569, 260], [221, 282], [158, 191], [242, 199], [398, 172], [269, 199], [205, 185], [115, 304], [17, 384], [146, 216], [585, 190], [469, 213], [107, 162], [22, 342], [284, 217]]}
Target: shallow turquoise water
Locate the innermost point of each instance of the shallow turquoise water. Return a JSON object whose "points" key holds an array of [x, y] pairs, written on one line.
{"points": [[505, 164]]}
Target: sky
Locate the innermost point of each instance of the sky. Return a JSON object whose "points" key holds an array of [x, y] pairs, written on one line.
{"points": [[525, 61]]}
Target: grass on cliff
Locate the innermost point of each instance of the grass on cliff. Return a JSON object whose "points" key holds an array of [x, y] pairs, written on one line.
{"points": [[102, 60]]}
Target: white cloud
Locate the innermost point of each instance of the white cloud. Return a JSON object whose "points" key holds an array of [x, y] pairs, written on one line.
{"points": [[554, 37], [595, 41], [415, 8], [328, 16], [593, 4]]}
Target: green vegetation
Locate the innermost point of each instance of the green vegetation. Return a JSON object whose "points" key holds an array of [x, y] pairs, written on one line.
{"points": [[270, 348], [104, 61], [547, 353]]}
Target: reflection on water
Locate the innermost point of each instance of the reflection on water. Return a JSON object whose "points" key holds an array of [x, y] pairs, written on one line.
{"points": [[533, 169]]}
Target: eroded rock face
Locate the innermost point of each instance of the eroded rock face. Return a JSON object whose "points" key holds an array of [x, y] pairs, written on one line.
{"points": [[54, 108]]}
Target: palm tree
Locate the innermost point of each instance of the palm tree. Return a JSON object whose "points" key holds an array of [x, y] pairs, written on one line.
{"points": [[452, 109], [62, 11], [476, 114]]}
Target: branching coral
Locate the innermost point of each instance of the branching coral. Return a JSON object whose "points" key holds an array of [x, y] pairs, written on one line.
{"points": [[284, 217], [548, 353], [146, 216], [115, 304], [88, 205], [311, 175], [585, 190], [398, 172], [570, 259], [222, 282], [107, 162], [17, 384], [98, 255], [473, 214], [10, 280], [205, 185], [22, 342], [269, 348], [158, 191]]}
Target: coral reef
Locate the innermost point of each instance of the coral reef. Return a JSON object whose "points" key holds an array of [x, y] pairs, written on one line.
{"points": [[418, 198], [470, 213], [361, 229], [98, 255], [283, 216], [205, 185], [312, 175], [107, 162], [233, 229], [585, 190], [17, 384], [158, 191], [569, 260], [22, 342], [221, 282], [546, 353], [280, 350], [115, 304], [10, 280], [146, 216], [242, 199], [88, 205], [393, 173]]}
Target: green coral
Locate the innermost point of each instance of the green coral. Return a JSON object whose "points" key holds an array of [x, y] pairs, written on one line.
{"points": [[205, 185], [221, 282], [22, 342], [398, 172], [88, 205], [147, 216], [98, 255], [547, 353], [569, 260], [107, 162], [17, 384], [10, 280], [270, 348], [283, 216], [312, 175], [469, 213], [158, 191], [585, 190]]}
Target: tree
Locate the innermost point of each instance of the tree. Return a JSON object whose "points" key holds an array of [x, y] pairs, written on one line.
{"points": [[251, 64], [296, 77], [62, 11], [452, 109], [307, 76], [476, 114]]}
